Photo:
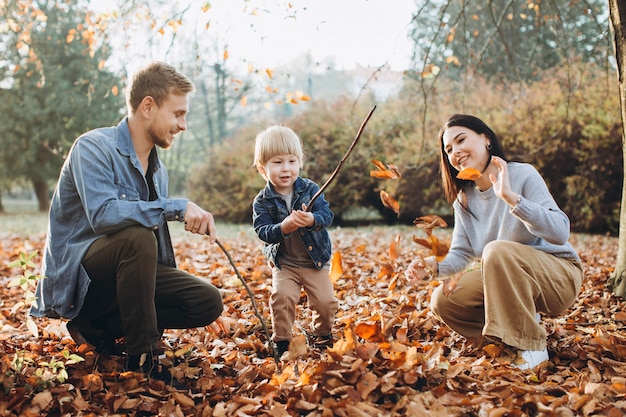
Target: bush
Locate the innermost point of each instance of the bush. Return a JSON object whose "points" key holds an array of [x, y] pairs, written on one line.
{"points": [[568, 128], [225, 184]]}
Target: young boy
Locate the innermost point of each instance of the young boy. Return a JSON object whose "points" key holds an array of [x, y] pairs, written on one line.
{"points": [[297, 243]]}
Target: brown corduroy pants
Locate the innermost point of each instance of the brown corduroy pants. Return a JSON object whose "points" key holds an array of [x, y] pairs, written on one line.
{"points": [[502, 298], [286, 286]]}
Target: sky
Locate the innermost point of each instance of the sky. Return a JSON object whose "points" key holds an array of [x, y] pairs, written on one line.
{"points": [[273, 32]]}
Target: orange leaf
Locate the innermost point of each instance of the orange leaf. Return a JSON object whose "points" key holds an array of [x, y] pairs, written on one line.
{"points": [[368, 331], [492, 350], [269, 73], [423, 242], [225, 54], [70, 36], [430, 221], [386, 271], [394, 248], [385, 172], [470, 174], [336, 270], [389, 202], [244, 101]]}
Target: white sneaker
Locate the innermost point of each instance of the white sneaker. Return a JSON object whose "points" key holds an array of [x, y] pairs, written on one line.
{"points": [[528, 359]]}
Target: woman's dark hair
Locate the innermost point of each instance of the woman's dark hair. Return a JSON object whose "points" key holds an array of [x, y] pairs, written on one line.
{"points": [[451, 184]]}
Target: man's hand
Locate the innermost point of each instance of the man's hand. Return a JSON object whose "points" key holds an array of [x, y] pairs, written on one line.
{"points": [[200, 221]]}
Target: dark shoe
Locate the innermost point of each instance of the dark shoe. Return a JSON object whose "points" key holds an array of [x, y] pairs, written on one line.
{"points": [[320, 341], [104, 343], [149, 365], [281, 347]]}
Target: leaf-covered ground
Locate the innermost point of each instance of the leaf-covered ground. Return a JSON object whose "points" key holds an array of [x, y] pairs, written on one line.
{"points": [[391, 358]]}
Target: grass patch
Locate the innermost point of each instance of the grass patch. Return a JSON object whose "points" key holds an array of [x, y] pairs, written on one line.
{"points": [[21, 217]]}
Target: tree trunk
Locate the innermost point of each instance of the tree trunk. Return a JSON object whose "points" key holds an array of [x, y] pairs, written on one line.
{"points": [[617, 13], [41, 191]]}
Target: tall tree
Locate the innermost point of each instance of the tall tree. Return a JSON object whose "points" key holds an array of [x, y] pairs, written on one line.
{"points": [[617, 13], [508, 40], [56, 86]]}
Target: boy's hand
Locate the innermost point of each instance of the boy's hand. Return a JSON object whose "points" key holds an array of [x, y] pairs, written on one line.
{"points": [[297, 219], [303, 218]]}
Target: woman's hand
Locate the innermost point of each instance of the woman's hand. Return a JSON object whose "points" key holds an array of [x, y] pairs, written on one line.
{"points": [[420, 269], [501, 184]]}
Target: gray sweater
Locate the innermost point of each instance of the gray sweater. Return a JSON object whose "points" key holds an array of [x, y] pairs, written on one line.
{"points": [[536, 221]]}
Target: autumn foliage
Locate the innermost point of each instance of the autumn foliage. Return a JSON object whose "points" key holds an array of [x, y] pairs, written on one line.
{"points": [[390, 358]]}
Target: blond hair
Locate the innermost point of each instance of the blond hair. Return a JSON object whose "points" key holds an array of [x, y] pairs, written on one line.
{"points": [[274, 141], [157, 80]]}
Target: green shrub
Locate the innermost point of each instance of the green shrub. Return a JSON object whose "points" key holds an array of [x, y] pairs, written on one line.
{"points": [[567, 125]]}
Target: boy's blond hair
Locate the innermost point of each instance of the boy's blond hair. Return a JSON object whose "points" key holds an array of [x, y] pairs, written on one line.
{"points": [[274, 141]]}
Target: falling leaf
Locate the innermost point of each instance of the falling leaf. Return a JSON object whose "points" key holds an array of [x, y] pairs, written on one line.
{"points": [[470, 174], [70, 35], [394, 248], [244, 101], [225, 54], [336, 270], [269, 73], [115, 90], [451, 34], [437, 248], [430, 221], [385, 172], [389, 202]]}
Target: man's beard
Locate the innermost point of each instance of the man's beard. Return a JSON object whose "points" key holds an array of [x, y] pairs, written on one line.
{"points": [[159, 141]]}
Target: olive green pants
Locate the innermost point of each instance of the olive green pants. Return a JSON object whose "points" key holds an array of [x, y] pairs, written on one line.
{"points": [[131, 295], [501, 298]]}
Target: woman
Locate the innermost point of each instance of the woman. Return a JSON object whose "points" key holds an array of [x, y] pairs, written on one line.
{"points": [[508, 220]]}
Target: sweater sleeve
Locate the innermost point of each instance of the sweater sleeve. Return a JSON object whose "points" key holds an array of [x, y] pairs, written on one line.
{"points": [[537, 209]]}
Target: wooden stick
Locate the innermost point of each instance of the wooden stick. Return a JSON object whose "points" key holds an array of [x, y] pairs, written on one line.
{"points": [[251, 294], [336, 171]]}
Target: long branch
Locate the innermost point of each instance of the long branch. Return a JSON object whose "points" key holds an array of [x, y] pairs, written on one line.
{"points": [[336, 171]]}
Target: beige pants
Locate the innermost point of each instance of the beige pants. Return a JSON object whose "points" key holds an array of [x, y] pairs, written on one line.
{"points": [[286, 285], [501, 301]]}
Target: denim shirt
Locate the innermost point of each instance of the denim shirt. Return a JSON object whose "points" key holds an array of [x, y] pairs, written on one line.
{"points": [[101, 190], [269, 210]]}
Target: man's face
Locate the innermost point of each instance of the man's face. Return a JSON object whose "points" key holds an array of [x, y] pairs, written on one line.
{"points": [[168, 119]]}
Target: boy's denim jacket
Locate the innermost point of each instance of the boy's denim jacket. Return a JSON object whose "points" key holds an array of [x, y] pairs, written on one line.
{"points": [[269, 210], [101, 190]]}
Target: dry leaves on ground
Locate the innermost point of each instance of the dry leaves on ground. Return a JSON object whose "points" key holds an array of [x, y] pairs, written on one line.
{"points": [[390, 358]]}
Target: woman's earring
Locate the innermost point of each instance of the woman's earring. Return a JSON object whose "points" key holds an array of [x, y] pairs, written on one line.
{"points": [[488, 146]]}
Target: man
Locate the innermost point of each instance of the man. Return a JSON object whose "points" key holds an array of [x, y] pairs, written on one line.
{"points": [[109, 262]]}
